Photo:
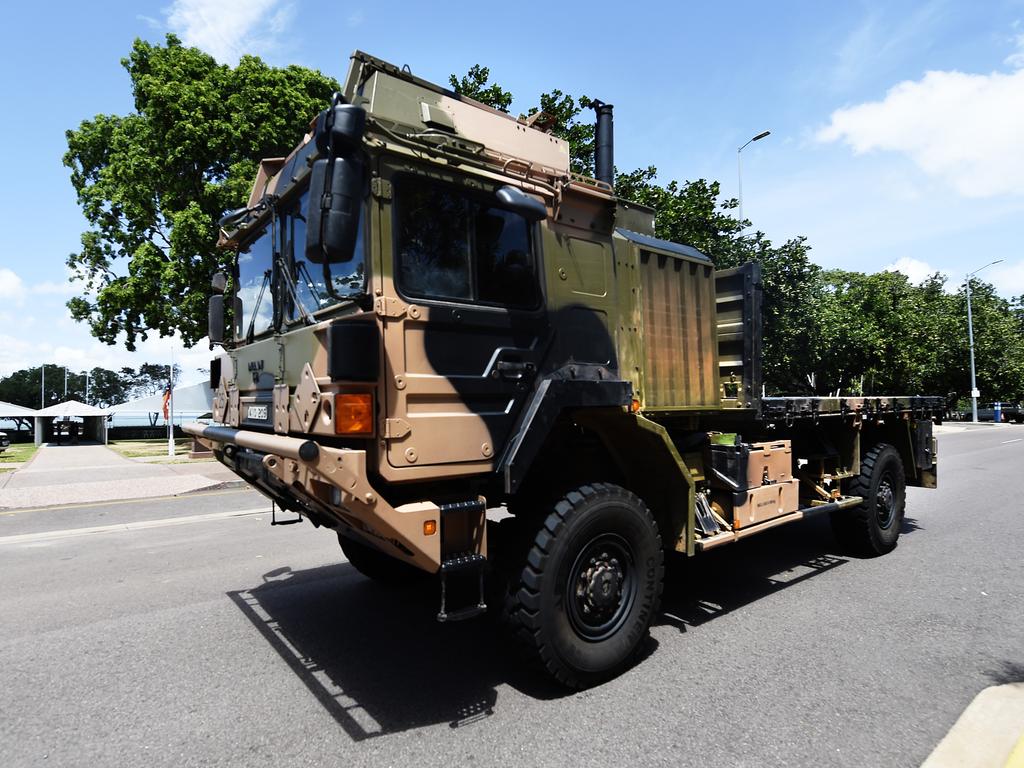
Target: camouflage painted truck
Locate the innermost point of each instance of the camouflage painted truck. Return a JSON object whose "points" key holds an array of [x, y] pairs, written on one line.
{"points": [[432, 316]]}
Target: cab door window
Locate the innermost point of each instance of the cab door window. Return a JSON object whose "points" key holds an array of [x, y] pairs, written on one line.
{"points": [[455, 245]]}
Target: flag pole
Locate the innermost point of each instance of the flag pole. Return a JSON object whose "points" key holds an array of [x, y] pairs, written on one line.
{"points": [[170, 420]]}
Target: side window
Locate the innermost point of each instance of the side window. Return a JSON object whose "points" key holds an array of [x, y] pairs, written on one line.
{"points": [[452, 245]]}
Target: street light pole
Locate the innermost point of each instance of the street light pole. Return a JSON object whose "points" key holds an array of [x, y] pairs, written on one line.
{"points": [[970, 338], [739, 167]]}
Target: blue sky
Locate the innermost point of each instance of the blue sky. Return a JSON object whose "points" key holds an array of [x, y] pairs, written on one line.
{"points": [[896, 126]]}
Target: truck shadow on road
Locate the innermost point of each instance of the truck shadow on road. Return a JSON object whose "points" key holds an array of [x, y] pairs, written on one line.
{"points": [[376, 658], [379, 663], [724, 580]]}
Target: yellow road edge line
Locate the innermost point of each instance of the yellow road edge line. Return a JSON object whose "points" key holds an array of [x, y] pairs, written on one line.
{"points": [[1016, 758]]}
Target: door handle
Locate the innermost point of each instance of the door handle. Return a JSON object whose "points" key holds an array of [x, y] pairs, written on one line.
{"points": [[513, 371]]}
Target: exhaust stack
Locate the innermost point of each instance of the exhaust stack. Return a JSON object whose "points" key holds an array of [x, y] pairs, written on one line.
{"points": [[604, 146]]}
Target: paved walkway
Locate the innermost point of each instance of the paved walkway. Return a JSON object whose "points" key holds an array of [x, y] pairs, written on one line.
{"points": [[74, 474]]}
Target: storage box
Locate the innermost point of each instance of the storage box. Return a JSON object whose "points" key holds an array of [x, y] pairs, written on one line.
{"points": [[769, 462], [766, 502], [743, 466]]}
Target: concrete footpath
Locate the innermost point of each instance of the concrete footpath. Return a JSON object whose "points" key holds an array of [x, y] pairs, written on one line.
{"points": [[76, 474]]}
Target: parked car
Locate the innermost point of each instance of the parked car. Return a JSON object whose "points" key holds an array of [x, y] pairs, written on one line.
{"points": [[5, 442], [1008, 412]]}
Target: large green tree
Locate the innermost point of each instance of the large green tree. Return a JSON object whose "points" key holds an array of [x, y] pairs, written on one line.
{"points": [[153, 183]]}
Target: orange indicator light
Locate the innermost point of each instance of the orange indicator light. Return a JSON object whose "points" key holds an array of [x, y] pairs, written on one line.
{"points": [[353, 414], [635, 405], [429, 527]]}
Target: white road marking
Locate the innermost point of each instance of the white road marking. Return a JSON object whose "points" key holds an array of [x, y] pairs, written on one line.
{"points": [[1012, 441], [24, 538]]}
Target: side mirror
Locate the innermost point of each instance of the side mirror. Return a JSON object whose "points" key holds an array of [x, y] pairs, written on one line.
{"points": [[517, 201], [219, 283], [336, 185], [339, 129], [216, 320], [333, 225]]}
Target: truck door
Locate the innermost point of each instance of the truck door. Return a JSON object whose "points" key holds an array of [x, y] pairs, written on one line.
{"points": [[463, 320]]}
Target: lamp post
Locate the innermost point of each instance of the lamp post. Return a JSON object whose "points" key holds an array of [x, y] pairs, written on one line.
{"points": [[970, 338], [739, 167]]}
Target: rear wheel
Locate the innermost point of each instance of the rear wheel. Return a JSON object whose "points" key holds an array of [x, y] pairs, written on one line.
{"points": [[583, 602], [873, 527], [375, 565]]}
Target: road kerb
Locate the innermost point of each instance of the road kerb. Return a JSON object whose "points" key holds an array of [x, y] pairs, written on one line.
{"points": [[989, 733]]}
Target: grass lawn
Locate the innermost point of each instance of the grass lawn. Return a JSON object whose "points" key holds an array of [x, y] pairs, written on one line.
{"points": [[17, 453], [143, 449]]}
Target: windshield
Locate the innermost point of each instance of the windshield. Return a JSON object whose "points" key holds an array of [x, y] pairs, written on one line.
{"points": [[254, 272], [347, 280], [260, 286]]}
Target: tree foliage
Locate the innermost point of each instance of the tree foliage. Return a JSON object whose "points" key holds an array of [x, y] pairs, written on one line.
{"points": [[152, 184], [103, 389], [475, 85]]}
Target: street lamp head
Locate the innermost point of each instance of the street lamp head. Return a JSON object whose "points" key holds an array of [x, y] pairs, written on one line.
{"points": [[759, 136], [991, 263]]}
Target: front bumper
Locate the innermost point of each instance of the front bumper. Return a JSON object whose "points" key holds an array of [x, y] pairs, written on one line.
{"points": [[333, 482]]}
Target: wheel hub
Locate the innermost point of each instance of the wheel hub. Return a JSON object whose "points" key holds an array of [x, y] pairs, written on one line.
{"points": [[885, 502], [599, 587]]}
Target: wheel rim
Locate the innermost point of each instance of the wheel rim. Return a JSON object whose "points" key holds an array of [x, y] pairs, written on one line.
{"points": [[601, 588], [885, 502]]}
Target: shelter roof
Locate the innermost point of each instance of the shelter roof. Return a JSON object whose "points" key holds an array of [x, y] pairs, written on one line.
{"points": [[195, 397], [12, 411], [70, 408]]}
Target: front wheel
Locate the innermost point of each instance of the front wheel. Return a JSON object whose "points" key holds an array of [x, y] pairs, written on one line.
{"points": [[873, 527], [583, 603]]}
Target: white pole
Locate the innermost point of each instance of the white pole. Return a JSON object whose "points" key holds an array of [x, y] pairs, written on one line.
{"points": [[42, 386], [970, 337], [65, 382], [87, 387], [170, 405]]}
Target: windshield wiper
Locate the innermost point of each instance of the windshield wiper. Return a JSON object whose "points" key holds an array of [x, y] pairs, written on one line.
{"points": [[250, 332]]}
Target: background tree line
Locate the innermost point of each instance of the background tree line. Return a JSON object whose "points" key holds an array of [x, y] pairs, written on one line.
{"points": [[105, 387], [153, 183]]}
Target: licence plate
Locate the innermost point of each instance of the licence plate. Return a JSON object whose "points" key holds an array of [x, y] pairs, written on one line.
{"points": [[258, 412]]}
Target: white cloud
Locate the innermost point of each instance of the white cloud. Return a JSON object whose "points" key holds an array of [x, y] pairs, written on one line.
{"points": [[1016, 59], [356, 18], [962, 128], [11, 286], [915, 269], [1008, 278], [226, 29]]}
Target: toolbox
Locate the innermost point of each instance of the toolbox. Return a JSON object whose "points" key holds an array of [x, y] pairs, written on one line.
{"points": [[739, 466]]}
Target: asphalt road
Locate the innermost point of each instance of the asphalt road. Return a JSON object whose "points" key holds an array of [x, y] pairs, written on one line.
{"points": [[222, 641]]}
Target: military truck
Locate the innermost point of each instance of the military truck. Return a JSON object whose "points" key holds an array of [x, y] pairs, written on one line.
{"points": [[432, 317]]}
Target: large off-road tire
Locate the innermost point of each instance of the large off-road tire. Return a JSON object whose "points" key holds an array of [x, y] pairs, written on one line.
{"points": [[583, 602], [376, 565], [873, 527]]}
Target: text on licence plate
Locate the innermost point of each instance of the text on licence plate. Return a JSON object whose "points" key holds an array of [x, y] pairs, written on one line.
{"points": [[257, 412]]}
